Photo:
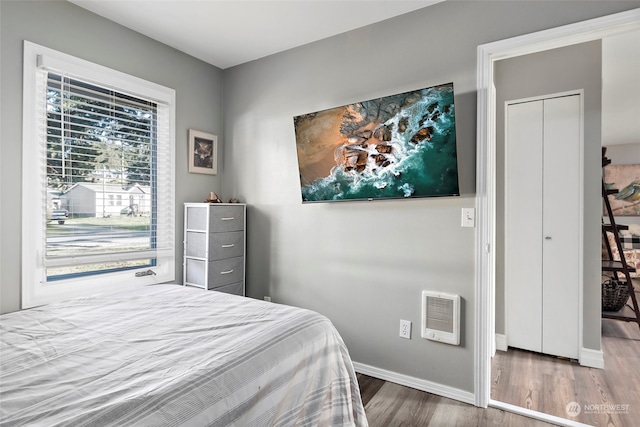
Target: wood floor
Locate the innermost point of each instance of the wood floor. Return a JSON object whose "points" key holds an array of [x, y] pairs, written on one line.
{"points": [[388, 405], [607, 397]]}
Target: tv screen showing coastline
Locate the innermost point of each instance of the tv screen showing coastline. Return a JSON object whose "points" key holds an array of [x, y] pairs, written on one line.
{"points": [[398, 146]]}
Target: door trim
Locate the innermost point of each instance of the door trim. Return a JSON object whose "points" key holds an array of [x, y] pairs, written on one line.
{"points": [[487, 54]]}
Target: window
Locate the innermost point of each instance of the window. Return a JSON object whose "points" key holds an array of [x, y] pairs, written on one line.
{"points": [[94, 138]]}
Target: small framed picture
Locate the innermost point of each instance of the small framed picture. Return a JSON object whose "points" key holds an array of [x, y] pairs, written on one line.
{"points": [[203, 152]]}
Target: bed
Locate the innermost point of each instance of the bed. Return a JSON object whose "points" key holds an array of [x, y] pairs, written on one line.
{"points": [[168, 355]]}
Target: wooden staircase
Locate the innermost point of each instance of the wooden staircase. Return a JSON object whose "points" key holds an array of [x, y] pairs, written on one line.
{"points": [[618, 268]]}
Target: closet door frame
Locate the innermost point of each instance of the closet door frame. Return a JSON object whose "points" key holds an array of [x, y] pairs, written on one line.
{"points": [[580, 218]]}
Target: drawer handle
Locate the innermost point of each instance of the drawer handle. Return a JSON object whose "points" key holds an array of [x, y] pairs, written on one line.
{"points": [[227, 218], [226, 272], [228, 246]]}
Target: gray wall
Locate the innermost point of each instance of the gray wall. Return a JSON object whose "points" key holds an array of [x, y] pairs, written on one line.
{"points": [[554, 71], [63, 26], [364, 264], [624, 154]]}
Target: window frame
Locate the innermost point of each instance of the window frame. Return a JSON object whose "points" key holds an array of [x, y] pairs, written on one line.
{"points": [[35, 288]]}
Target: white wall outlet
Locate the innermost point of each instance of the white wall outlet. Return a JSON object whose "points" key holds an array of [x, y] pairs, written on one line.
{"points": [[267, 299], [405, 329], [468, 217]]}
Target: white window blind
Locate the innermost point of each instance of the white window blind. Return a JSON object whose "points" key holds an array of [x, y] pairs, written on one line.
{"points": [[99, 149]]}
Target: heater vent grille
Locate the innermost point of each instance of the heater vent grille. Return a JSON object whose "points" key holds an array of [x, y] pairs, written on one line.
{"points": [[441, 317], [440, 314]]}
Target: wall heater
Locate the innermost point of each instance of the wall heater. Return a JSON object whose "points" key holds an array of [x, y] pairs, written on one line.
{"points": [[441, 317]]}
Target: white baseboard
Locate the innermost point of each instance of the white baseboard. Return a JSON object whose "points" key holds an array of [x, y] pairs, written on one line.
{"points": [[551, 419], [417, 383], [501, 342], [591, 358]]}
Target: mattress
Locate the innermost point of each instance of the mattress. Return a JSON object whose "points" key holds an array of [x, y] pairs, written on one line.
{"points": [[168, 355]]}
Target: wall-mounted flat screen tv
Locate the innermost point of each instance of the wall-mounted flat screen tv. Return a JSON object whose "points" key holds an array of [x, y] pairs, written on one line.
{"points": [[399, 146]]}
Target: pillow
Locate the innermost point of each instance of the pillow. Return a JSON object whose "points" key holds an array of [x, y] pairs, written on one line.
{"points": [[634, 229]]}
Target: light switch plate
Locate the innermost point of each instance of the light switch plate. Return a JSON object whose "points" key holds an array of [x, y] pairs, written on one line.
{"points": [[468, 217]]}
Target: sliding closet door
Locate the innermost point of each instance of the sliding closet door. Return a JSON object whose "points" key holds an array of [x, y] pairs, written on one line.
{"points": [[523, 248], [542, 220]]}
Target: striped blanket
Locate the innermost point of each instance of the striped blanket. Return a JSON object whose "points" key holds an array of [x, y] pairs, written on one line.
{"points": [[166, 355]]}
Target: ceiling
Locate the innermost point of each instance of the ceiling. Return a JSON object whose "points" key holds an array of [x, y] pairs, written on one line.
{"points": [[225, 33]]}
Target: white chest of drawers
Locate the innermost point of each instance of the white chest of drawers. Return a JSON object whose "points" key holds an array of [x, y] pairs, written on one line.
{"points": [[214, 246]]}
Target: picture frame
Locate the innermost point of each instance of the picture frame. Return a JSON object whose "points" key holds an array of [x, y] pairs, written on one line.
{"points": [[203, 152], [626, 179]]}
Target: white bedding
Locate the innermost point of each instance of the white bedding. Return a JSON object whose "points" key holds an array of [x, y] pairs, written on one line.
{"points": [[166, 355]]}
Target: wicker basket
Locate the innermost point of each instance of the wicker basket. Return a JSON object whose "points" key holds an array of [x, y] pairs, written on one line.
{"points": [[615, 295]]}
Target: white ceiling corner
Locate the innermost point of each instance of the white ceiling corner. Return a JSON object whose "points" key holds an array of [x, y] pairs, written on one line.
{"points": [[226, 33]]}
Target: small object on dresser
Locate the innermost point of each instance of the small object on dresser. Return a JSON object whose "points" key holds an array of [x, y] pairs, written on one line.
{"points": [[233, 200], [213, 198]]}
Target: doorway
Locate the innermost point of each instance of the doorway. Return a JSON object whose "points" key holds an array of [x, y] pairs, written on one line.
{"points": [[486, 173]]}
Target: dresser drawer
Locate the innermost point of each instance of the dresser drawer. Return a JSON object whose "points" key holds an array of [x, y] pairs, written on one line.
{"points": [[220, 245], [226, 218], [226, 245], [233, 288], [220, 273], [225, 271]]}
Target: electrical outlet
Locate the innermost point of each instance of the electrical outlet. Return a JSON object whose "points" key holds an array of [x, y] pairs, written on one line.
{"points": [[266, 298], [405, 329]]}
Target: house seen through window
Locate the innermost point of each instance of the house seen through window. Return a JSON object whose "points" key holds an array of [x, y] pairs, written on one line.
{"points": [[100, 151]]}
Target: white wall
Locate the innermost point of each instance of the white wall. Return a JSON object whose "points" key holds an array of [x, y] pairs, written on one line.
{"points": [[364, 264], [621, 89]]}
